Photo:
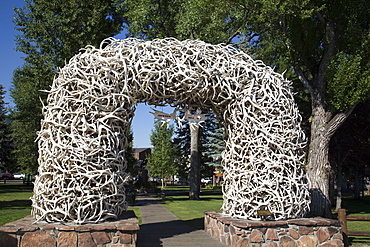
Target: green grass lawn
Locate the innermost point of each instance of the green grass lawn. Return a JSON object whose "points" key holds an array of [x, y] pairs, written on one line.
{"points": [[15, 202], [191, 211], [175, 187], [137, 213], [358, 208]]}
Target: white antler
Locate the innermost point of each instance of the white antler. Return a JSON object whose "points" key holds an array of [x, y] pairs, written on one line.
{"points": [[82, 140]]}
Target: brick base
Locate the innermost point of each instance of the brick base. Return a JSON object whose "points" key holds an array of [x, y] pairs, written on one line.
{"points": [[308, 232], [115, 233]]}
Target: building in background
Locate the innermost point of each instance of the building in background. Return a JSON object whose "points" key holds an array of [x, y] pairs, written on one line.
{"points": [[140, 154]]}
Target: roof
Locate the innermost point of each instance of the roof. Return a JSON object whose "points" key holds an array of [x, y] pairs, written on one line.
{"points": [[139, 150]]}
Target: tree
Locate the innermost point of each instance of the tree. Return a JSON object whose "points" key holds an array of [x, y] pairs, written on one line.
{"points": [[27, 115], [214, 142], [190, 139], [207, 20], [194, 162], [350, 150], [5, 139], [161, 160], [323, 43], [51, 33], [182, 141]]}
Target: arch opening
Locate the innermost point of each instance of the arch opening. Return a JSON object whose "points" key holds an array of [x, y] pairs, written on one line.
{"points": [[91, 104]]}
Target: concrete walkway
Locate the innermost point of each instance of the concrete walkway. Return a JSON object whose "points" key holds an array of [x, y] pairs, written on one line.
{"points": [[162, 228]]}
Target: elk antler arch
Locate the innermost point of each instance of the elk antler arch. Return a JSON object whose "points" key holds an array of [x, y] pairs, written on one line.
{"points": [[90, 106]]}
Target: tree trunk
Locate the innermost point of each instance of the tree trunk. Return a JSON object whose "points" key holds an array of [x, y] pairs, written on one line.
{"points": [[323, 127], [332, 183], [195, 162], [357, 183], [162, 183], [362, 187], [339, 187], [319, 178], [318, 163]]}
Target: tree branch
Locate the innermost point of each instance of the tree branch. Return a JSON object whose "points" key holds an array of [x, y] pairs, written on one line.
{"points": [[337, 121], [304, 80], [238, 31], [246, 41], [233, 35], [330, 39]]}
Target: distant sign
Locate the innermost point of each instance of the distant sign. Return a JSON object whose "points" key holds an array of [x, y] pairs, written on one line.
{"points": [[197, 118], [165, 117]]}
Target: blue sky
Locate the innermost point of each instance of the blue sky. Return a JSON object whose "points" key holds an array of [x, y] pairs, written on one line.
{"points": [[11, 59]]}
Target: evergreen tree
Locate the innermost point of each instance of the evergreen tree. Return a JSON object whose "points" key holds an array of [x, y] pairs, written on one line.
{"points": [[131, 161], [162, 159], [51, 33], [214, 142], [5, 139], [182, 142], [206, 145]]}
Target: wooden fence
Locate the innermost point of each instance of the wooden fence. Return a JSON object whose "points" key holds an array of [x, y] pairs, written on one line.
{"points": [[342, 216]]}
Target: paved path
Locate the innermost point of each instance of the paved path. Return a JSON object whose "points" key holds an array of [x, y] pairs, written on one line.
{"points": [[162, 228]]}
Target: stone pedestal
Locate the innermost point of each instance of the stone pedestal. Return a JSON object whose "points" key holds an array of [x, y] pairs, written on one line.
{"points": [[308, 232], [115, 233]]}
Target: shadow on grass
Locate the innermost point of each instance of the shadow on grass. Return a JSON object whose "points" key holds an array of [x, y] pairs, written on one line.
{"points": [[197, 223], [184, 196], [359, 241], [172, 199], [142, 202], [16, 204], [357, 206], [10, 188]]}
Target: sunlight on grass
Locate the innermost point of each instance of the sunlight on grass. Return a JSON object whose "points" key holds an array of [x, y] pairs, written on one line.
{"points": [[137, 213], [192, 211], [358, 208], [362, 226], [176, 187], [14, 205]]}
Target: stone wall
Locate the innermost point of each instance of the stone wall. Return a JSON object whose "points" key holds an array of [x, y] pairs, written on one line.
{"points": [[304, 232], [117, 233]]}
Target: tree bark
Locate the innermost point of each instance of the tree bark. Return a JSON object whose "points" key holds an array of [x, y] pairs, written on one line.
{"points": [[323, 127], [195, 162], [357, 183], [318, 164], [162, 183], [339, 187], [324, 124]]}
